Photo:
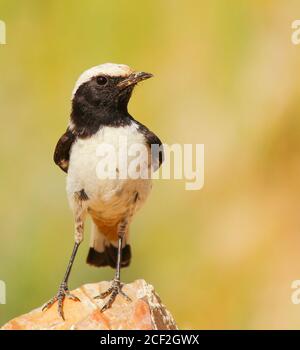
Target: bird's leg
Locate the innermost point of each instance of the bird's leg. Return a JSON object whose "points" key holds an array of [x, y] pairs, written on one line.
{"points": [[63, 291], [116, 287]]}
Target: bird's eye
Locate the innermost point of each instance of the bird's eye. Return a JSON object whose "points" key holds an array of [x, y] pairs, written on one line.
{"points": [[101, 80]]}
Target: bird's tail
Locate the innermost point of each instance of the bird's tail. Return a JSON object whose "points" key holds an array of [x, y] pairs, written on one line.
{"points": [[103, 252]]}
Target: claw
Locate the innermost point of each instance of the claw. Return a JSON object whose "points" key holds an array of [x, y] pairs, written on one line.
{"points": [[49, 303], [63, 293], [60, 307], [105, 294], [125, 296], [72, 297], [113, 291]]}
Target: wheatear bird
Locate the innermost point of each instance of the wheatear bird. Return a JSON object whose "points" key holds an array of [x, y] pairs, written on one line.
{"points": [[99, 115]]}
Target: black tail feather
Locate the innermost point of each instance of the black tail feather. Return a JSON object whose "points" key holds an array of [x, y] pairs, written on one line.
{"points": [[109, 256]]}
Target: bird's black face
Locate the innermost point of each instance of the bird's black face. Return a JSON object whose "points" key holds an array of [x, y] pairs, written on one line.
{"points": [[110, 93], [104, 99], [102, 92]]}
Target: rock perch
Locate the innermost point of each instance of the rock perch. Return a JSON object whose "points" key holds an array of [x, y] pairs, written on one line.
{"points": [[145, 312]]}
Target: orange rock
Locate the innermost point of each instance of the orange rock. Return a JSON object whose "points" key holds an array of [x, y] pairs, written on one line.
{"points": [[144, 312]]}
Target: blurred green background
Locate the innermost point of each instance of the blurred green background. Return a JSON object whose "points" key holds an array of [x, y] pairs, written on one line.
{"points": [[227, 76]]}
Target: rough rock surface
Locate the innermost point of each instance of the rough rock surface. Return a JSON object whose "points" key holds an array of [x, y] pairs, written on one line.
{"points": [[145, 312]]}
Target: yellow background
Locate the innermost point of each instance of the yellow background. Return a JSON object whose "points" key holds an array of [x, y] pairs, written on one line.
{"points": [[226, 75]]}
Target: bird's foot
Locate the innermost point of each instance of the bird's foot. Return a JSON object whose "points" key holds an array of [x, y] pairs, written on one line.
{"points": [[63, 293], [113, 291]]}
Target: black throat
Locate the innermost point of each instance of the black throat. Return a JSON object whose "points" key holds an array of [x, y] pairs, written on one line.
{"points": [[89, 116]]}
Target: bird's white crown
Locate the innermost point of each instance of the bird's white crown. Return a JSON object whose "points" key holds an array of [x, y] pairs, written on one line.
{"points": [[110, 69]]}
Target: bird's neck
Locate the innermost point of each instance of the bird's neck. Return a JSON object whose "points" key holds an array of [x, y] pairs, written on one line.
{"points": [[87, 119]]}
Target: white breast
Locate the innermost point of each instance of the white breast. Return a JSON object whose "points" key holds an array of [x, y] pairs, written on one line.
{"points": [[106, 195]]}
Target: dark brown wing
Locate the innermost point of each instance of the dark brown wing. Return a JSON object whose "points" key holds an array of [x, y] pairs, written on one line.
{"points": [[157, 151], [62, 150]]}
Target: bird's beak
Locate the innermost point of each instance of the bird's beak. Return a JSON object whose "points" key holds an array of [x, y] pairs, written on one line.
{"points": [[134, 78]]}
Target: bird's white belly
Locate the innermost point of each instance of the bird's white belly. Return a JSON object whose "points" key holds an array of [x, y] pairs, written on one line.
{"points": [[109, 197]]}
